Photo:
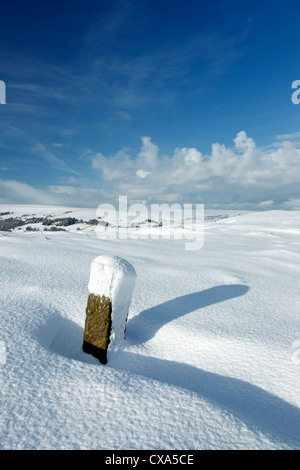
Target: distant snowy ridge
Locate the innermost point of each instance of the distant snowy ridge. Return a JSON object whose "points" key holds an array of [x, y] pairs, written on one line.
{"points": [[46, 218]]}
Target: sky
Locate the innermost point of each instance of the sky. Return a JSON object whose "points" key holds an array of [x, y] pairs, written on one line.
{"points": [[166, 101]]}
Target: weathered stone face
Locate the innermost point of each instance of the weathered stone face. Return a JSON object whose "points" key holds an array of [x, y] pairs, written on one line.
{"points": [[110, 290], [97, 326]]}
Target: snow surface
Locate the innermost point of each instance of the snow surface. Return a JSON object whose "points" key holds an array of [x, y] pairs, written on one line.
{"points": [[210, 359], [114, 278]]}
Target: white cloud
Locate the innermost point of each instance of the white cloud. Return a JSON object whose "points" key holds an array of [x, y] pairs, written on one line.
{"points": [[172, 70], [70, 180], [115, 167], [148, 156], [192, 156], [55, 162], [292, 204], [266, 204], [63, 189], [58, 145], [17, 192], [142, 173], [296, 135], [242, 174]]}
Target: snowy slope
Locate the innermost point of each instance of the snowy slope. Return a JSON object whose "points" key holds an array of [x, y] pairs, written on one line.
{"points": [[211, 356]]}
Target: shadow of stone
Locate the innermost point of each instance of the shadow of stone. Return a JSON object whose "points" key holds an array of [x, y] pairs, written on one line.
{"points": [[260, 410], [145, 325], [64, 337]]}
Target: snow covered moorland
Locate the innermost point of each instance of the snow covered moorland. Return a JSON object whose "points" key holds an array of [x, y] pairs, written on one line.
{"points": [[211, 358]]}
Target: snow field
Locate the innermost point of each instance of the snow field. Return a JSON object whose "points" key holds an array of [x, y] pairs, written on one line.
{"points": [[208, 358]]}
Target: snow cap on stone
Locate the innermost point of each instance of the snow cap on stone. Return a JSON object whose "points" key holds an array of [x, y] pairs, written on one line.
{"points": [[114, 277]]}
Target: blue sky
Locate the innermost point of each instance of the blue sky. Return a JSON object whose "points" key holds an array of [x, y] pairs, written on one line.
{"points": [[161, 101]]}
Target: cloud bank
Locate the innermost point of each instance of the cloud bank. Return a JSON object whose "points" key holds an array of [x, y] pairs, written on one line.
{"points": [[243, 176]]}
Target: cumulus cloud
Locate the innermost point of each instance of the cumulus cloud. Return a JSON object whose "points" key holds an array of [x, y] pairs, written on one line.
{"points": [[142, 173], [148, 155], [241, 174]]}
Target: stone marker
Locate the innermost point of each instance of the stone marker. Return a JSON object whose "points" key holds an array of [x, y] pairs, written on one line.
{"points": [[111, 285]]}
